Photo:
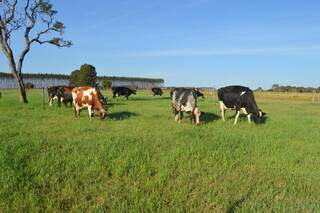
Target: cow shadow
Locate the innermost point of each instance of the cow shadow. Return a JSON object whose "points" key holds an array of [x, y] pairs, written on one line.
{"points": [[122, 115], [208, 117]]}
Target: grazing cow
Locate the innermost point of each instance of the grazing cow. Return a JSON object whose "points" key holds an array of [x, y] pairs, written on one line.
{"points": [[61, 93], [122, 91], [87, 97], [52, 94], [156, 91], [239, 98], [65, 95], [184, 100]]}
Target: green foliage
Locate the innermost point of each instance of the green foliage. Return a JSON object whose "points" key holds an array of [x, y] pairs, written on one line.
{"points": [[280, 88], [140, 160], [106, 83], [86, 76], [74, 78], [61, 76]]}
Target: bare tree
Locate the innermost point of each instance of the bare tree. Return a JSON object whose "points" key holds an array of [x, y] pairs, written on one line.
{"points": [[36, 20]]}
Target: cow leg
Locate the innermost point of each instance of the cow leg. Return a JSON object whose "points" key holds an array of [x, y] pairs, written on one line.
{"points": [[223, 110], [176, 118], [90, 111], [75, 111], [248, 115], [237, 116], [59, 101], [249, 118], [192, 117], [180, 116]]}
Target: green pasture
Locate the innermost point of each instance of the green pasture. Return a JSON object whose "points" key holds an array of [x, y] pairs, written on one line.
{"points": [[140, 160]]}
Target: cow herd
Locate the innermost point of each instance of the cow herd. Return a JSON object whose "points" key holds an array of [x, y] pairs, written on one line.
{"points": [[238, 98]]}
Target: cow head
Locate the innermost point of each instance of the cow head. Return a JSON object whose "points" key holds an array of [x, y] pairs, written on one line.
{"points": [[257, 117], [102, 114], [197, 114]]}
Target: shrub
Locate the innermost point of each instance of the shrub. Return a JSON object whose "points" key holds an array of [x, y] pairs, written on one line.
{"points": [[106, 83], [86, 76]]}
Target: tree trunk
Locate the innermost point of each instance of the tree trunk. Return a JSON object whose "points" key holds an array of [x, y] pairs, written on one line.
{"points": [[21, 87]]}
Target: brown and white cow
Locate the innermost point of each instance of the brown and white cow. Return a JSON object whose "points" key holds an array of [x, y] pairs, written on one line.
{"points": [[87, 97]]}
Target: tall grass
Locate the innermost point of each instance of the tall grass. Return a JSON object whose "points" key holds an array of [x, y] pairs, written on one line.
{"points": [[139, 159]]}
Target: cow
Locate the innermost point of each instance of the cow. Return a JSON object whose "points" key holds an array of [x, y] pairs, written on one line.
{"points": [[65, 95], [239, 98], [61, 93], [156, 91], [87, 97], [52, 94], [184, 100], [196, 92], [122, 91]]}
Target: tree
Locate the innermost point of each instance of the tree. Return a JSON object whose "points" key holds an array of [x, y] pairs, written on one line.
{"points": [[36, 20], [74, 78], [86, 76], [106, 83]]}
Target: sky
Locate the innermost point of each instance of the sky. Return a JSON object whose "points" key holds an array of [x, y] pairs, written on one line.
{"points": [[187, 42]]}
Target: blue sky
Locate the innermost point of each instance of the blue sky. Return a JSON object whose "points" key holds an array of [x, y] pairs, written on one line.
{"points": [[189, 42]]}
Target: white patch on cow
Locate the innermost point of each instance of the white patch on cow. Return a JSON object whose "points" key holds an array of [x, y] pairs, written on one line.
{"points": [[90, 111], [223, 110], [244, 111], [237, 116], [186, 108], [242, 93], [249, 118]]}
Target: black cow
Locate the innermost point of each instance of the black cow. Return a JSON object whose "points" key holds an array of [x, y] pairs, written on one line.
{"points": [[156, 91], [184, 100], [122, 91], [52, 94], [239, 98], [61, 93]]}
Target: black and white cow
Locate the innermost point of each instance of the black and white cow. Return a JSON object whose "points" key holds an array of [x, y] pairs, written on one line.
{"points": [[156, 91], [196, 91], [184, 100], [239, 98], [122, 91]]}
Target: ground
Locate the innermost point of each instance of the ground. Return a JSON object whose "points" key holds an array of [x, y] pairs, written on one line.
{"points": [[139, 159]]}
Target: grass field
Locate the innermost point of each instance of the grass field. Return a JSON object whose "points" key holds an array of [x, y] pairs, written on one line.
{"points": [[140, 160]]}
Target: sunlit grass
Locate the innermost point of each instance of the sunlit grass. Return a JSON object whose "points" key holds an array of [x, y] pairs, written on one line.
{"points": [[139, 159]]}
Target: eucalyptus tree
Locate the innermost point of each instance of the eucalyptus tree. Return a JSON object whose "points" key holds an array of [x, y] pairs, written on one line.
{"points": [[34, 21]]}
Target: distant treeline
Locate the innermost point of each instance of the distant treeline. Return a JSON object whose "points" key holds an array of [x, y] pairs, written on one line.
{"points": [[292, 89], [62, 76]]}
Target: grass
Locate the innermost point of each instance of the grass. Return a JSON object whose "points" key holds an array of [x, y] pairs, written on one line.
{"points": [[140, 160]]}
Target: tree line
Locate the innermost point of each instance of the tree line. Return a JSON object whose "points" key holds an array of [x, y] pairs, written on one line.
{"points": [[290, 89]]}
